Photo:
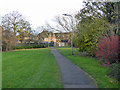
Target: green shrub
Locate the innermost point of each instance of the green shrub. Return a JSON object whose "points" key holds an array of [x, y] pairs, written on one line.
{"points": [[114, 71], [90, 29], [31, 46]]}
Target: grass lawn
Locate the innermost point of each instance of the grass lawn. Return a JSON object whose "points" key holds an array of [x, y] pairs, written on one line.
{"points": [[92, 67], [35, 68]]}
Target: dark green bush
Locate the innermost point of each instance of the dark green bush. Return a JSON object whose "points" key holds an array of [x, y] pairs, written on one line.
{"points": [[114, 71], [31, 46]]}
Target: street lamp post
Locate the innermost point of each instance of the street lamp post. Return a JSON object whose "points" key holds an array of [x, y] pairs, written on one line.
{"points": [[71, 32], [48, 39]]}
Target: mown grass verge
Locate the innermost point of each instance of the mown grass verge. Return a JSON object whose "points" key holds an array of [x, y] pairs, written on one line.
{"points": [[35, 68]]}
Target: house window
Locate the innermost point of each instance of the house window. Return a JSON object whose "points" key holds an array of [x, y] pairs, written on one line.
{"points": [[46, 38]]}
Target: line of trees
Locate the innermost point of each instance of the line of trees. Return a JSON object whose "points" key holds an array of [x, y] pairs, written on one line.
{"points": [[98, 33], [97, 20]]}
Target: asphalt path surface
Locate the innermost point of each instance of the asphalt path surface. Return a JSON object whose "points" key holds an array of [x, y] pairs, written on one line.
{"points": [[71, 75]]}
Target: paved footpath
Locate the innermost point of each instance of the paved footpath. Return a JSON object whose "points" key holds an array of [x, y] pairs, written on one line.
{"points": [[71, 75]]}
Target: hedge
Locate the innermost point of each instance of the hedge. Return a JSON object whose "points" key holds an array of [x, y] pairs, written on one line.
{"points": [[31, 46]]}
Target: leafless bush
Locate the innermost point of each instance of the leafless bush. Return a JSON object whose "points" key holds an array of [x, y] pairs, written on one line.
{"points": [[8, 40]]}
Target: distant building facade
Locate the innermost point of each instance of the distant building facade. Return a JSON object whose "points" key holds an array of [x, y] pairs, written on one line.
{"points": [[45, 37], [28, 38], [59, 39]]}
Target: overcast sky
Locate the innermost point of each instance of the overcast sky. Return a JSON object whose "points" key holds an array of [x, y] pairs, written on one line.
{"points": [[38, 12]]}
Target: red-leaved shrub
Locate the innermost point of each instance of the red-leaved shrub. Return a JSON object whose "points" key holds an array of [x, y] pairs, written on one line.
{"points": [[107, 49]]}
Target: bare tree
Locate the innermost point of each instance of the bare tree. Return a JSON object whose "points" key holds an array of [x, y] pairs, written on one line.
{"points": [[8, 40], [14, 21], [25, 30], [64, 23]]}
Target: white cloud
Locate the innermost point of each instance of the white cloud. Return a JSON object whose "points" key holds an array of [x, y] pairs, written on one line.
{"points": [[40, 11]]}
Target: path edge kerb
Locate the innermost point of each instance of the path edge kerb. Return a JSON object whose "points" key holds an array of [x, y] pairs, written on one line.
{"points": [[82, 70]]}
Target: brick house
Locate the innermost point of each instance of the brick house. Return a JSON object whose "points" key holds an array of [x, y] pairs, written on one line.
{"points": [[59, 39]]}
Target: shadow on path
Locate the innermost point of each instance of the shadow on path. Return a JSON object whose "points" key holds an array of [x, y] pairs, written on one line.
{"points": [[71, 75]]}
